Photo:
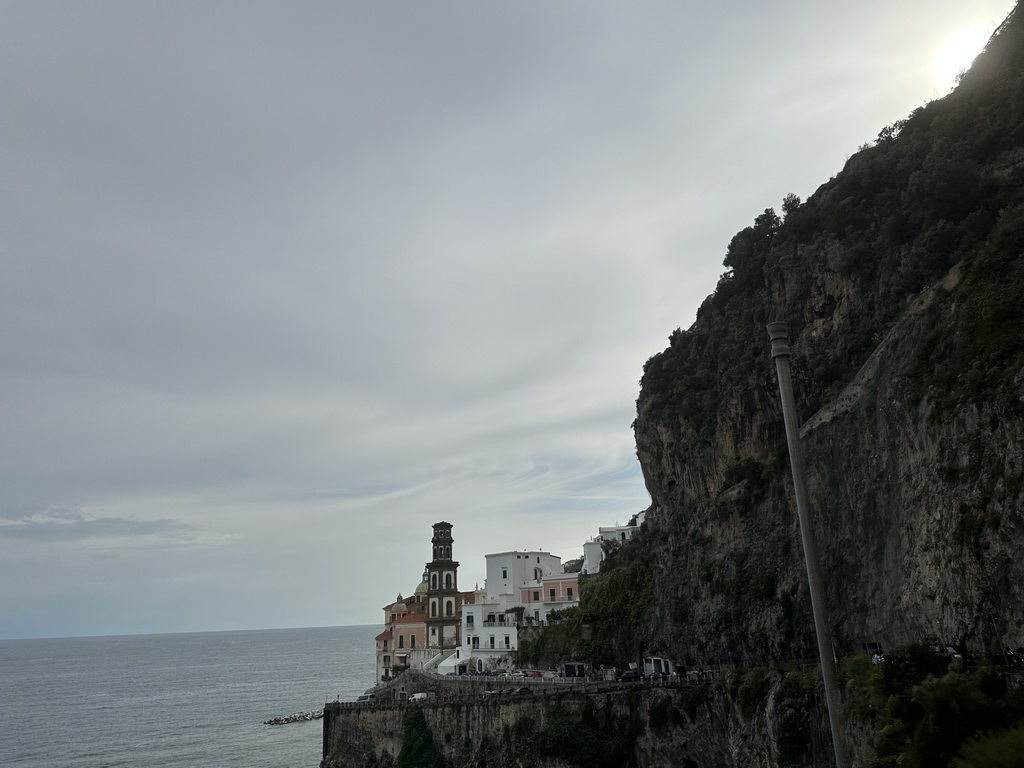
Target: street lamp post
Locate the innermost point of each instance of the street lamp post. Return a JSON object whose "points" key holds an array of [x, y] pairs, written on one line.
{"points": [[778, 333]]}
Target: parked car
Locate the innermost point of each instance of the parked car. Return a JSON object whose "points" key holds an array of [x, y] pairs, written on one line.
{"points": [[947, 651], [629, 676]]}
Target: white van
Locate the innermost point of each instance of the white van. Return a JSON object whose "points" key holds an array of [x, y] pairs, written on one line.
{"points": [[418, 697]]}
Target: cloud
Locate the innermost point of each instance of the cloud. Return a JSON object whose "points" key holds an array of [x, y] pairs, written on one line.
{"points": [[71, 524]]}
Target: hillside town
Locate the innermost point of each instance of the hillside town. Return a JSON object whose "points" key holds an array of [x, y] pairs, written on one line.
{"points": [[438, 628]]}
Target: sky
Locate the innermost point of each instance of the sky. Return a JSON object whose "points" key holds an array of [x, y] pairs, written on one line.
{"points": [[284, 284]]}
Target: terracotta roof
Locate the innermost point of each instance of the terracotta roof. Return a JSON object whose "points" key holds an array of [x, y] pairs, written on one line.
{"points": [[409, 619], [410, 602]]}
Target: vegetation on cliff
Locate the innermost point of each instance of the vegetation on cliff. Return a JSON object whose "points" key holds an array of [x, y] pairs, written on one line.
{"points": [[589, 739], [607, 629], [943, 187], [418, 749], [930, 713]]}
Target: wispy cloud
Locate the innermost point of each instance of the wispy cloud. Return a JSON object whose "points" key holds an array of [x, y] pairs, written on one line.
{"points": [[71, 524]]}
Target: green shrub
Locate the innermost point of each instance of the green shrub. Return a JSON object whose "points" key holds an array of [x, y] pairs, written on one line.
{"points": [[1002, 750], [752, 692], [418, 743], [926, 710], [588, 740], [796, 708]]}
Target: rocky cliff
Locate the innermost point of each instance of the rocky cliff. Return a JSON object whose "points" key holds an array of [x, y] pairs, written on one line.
{"points": [[902, 280]]}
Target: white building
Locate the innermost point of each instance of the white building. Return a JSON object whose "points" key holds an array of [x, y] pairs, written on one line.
{"points": [[521, 587], [594, 549]]}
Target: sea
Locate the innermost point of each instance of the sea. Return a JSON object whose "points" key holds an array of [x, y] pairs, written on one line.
{"points": [[169, 701]]}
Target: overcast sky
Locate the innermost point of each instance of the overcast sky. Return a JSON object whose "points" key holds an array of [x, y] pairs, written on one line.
{"points": [[283, 284]]}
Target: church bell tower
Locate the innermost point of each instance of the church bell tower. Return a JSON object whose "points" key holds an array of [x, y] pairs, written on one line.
{"points": [[442, 591]]}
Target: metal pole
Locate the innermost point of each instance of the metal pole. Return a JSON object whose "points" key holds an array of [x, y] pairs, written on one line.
{"points": [[778, 332]]}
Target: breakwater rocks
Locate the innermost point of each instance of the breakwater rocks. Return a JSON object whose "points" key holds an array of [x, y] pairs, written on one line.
{"points": [[301, 717]]}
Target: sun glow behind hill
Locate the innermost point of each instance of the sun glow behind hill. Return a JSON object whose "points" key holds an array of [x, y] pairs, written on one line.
{"points": [[955, 54]]}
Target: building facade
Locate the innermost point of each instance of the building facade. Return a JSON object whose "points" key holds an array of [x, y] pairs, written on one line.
{"points": [[608, 536], [403, 643], [521, 588]]}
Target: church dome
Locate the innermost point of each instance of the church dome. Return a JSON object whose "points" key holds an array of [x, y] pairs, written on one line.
{"points": [[423, 588]]}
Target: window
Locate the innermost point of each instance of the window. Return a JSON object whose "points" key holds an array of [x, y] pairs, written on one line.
{"points": [[508, 641], [476, 642], [536, 594], [448, 608], [412, 641], [568, 592], [447, 581], [536, 615], [538, 559], [385, 644], [433, 608], [433, 581], [492, 641], [387, 661], [469, 619], [552, 594], [401, 641], [504, 573]]}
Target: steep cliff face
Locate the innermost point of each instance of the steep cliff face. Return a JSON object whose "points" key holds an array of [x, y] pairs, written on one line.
{"points": [[902, 280]]}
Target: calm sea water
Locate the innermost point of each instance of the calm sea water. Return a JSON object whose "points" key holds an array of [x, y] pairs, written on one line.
{"points": [[170, 701]]}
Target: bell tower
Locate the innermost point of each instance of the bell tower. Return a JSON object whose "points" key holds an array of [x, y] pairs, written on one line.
{"points": [[442, 591]]}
